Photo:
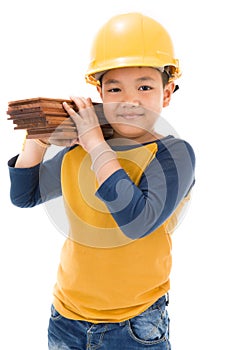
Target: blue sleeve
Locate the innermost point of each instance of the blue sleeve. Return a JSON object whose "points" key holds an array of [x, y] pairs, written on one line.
{"points": [[139, 210], [35, 185]]}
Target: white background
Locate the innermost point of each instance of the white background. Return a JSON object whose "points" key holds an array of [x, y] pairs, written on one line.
{"points": [[44, 51]]}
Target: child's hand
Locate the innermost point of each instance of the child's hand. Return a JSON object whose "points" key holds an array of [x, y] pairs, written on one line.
{"points": [[86, 121]]}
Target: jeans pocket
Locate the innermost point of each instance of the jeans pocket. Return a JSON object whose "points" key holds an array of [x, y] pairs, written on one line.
{"points": [[152, 326], [55, 316]]}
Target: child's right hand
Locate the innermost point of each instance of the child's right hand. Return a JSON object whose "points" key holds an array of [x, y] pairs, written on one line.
{"points": [[89, 131]]}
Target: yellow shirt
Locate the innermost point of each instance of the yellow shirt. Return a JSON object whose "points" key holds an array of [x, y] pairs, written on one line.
{"points": [[103, 275]]}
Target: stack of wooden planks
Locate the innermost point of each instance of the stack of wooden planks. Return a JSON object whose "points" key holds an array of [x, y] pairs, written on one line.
{"points": [[46, 118]]}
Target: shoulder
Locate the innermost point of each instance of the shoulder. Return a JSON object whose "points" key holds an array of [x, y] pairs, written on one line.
{"points": [[176, 148]]}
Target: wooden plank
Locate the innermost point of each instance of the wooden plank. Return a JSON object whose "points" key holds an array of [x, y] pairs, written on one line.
{"points": [[44, 116]]}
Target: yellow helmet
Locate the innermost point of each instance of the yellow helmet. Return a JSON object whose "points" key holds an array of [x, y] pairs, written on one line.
{"points": [[131, 40]]}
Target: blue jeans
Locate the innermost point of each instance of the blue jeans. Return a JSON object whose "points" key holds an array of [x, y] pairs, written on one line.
{"points": [[149, 330]]}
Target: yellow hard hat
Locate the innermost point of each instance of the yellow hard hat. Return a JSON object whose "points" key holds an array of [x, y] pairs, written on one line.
{"points": [[131, 40]]}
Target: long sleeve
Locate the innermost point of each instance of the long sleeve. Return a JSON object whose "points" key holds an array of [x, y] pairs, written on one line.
{"points": [[139, 210], [35, 185]]}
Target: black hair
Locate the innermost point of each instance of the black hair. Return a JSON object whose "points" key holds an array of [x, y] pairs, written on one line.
{"points": [[165, 78]]}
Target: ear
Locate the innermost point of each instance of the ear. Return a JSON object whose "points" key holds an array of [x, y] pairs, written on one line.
{"points": [[99, 89], [167, 94]]}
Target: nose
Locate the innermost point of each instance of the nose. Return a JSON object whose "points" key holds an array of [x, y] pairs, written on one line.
{"points": [[129, 105], [129, 98]]}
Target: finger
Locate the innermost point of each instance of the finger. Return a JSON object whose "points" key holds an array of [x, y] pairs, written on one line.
{"points": [[79, 102], [69, 109], [82, 102], [87, 101], [74, 116]]}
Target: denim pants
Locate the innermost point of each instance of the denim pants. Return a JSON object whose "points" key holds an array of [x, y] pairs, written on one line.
{"points": [[149, 330]]}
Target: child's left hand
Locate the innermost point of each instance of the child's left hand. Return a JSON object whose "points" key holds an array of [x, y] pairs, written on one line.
{"points": [[86, 122]]}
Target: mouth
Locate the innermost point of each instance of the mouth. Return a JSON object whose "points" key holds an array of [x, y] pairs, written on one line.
{"points": [[130, 115]]}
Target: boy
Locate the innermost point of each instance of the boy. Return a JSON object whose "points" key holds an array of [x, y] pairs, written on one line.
{"points": [[122, 195]]}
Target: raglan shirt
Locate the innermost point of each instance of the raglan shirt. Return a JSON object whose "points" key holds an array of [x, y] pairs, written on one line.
{"points": [[139, 211]]}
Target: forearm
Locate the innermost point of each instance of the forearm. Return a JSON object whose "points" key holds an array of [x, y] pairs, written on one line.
{"points": [[138, 210], [107, 170], [36, 184], [104, 161], [24, 189], [31, 155]]}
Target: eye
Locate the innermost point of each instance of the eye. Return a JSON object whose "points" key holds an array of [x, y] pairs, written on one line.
{"points": [[114, 90], [145, 88]]}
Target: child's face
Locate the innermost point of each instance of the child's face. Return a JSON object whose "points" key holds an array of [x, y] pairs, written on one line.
{"points": [[133, 99]]}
